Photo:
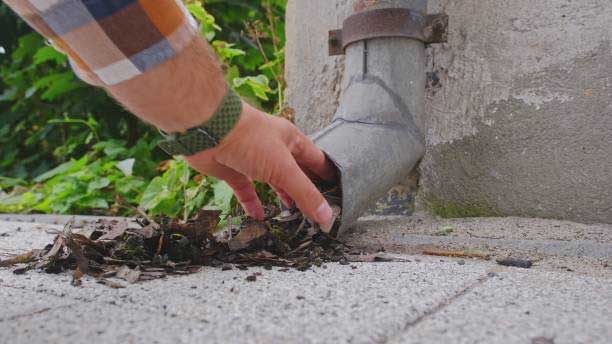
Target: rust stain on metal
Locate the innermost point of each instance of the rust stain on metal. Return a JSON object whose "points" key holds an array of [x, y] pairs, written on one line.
{"points": [[363, 5], [388, 22]]}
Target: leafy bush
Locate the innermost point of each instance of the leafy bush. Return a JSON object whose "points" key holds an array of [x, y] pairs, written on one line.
{"points": [[82, 185], [47, 115], [50, 118]]}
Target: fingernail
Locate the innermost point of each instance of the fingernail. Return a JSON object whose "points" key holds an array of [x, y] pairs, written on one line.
{"points": [[324, 217]]}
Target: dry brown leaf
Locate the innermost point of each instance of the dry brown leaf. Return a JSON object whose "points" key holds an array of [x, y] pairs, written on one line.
{"points": [[20, 259], [147, 232], [130, 275], [76, 277], [115, 232], [253, 231], [110, 283]]}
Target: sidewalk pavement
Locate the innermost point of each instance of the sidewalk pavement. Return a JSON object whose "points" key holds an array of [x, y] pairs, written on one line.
{"points": [[565, 298]]}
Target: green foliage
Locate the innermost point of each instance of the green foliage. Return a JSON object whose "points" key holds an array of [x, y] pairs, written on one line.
{"points": [[180, 192], [43, 108], [114, 180], [50, 118], [108, 180], [253, 86], [262, 55]]}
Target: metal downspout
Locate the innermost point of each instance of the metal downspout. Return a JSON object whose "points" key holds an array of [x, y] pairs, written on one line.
{"points": [[373, 139]]}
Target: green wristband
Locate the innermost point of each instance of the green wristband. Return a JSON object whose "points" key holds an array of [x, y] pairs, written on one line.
{"points": [[209, 134]]}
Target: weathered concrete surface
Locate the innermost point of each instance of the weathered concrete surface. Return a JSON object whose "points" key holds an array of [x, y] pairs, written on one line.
{"points": [[551, 244], [313, 77], [521, 123], [521, 306], [337, 304], [519, 118], [421, 300]]}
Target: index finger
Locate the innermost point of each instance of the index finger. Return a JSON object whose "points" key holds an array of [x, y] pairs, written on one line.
{"points": [[309, 156]]}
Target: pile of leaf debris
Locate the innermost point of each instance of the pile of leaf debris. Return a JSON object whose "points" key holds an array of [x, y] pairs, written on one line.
{"points": [[145, 249]]}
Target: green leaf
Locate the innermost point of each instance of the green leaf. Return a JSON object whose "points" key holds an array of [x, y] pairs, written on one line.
{"points": [[65, 189], [47, 53], [27, 46], [30, 91], [17, 203], [94, 203], [126, 186], [260, 85], [158, 198], [207, 21], [56, 85], [185, 174], [155, 192], [9, 94], [126, 166], [222, 199], [226, 51], [70, 166], [165, 194], [6, 182], [98, 184], [194, 199], [232, 73], [112, 148]]}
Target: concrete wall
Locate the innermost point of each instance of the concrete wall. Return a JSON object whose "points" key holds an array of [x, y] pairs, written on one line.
{"points": [[519, 104]]}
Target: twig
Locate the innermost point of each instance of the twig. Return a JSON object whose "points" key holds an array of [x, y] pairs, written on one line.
{"points": [[229, 227], [160, 243], [147, 217], [68, 227], [114, 261], [434, 251], [20, 259]]}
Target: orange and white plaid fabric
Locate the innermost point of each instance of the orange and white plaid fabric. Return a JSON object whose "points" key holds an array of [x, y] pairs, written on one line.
{"points": [[111, 41]]}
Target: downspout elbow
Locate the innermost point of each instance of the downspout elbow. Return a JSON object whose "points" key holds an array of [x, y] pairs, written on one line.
{"points": [[373, 139]]}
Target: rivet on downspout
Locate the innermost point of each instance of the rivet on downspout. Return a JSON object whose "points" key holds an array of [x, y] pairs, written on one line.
{"points": [[373, 139]]}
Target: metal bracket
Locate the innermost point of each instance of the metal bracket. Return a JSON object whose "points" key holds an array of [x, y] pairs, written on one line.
{"points": [[388, 22]]}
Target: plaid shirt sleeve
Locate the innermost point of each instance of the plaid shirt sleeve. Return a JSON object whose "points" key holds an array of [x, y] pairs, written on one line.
{"points": [[111, 41]]}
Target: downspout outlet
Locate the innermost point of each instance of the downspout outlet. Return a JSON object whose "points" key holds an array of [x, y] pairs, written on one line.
{"points": [[373, 139]]}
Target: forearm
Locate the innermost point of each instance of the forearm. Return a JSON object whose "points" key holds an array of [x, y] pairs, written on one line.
{"points": [[179, 94], [147, 54]]}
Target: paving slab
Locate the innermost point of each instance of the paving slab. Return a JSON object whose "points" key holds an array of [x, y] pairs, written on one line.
{"points": [[522, 306], [97, 323], [525, 235], [337, 304], [424, 299], [51, 219], [20, 303], [18, 237], [551, 244]]}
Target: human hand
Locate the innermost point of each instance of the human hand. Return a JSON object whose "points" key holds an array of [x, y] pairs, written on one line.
{"points": [[271, 150]]}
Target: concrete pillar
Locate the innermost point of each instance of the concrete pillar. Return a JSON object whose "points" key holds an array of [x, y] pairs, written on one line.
{"points": [[518, 114]]}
